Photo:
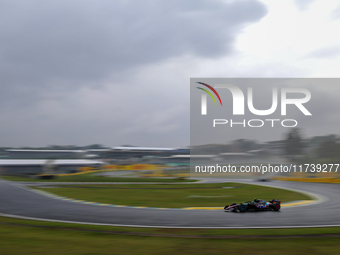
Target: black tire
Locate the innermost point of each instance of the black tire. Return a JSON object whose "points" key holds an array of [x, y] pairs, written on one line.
{"points": [[242, 207], [276, 207]]}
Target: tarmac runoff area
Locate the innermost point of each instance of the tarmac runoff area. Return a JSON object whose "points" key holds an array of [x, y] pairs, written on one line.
{"points": [[323, 211]]}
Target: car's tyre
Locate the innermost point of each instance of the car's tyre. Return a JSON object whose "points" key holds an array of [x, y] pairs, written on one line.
{"points": [[242, 207], [276, 207]]}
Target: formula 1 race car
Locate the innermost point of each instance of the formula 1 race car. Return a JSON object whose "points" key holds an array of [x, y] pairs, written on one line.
{"points": [[256, 205]]}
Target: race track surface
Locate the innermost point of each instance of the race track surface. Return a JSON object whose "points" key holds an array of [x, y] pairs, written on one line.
{"points": [[16, 200]]}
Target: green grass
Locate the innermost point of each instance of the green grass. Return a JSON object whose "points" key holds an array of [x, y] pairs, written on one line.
{"points": [[90, 177], [175, 195], [185, 232], [58, 238]]}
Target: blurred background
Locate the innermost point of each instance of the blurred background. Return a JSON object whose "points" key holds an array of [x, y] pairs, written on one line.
{"points": [[99, 92]]}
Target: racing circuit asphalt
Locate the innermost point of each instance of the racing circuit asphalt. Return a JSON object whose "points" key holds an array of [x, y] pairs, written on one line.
{"points": [[16, 200]]}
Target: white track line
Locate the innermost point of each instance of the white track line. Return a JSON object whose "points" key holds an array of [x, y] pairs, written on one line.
{"points": [[146, 226]]}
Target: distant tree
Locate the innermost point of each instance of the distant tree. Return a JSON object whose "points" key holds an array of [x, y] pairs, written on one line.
{"points": [[328, 149], [94, 146], [294, 143], [243, 145], [317, 140]]}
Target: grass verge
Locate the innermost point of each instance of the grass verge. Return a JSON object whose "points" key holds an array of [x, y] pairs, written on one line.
{"points": [[34, 237], [175, 195]]}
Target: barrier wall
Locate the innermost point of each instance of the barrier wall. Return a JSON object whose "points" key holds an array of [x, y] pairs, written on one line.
{"points": [[134, 167]]}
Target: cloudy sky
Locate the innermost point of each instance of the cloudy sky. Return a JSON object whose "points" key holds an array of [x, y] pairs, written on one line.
{"points": [[118, 72]]}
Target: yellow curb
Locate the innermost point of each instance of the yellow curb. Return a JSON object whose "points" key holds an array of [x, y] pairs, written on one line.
{"points": [[298, 203], [322, 180]]}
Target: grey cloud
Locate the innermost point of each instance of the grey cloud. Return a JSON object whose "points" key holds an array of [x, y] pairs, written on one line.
{"points": [[52, 51], [95, 116], [303, 4], [335, 14], [69, 42], [327, 52]]}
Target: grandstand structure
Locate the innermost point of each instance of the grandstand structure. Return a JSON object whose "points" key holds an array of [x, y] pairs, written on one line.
{"points": [[34, 161]]}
